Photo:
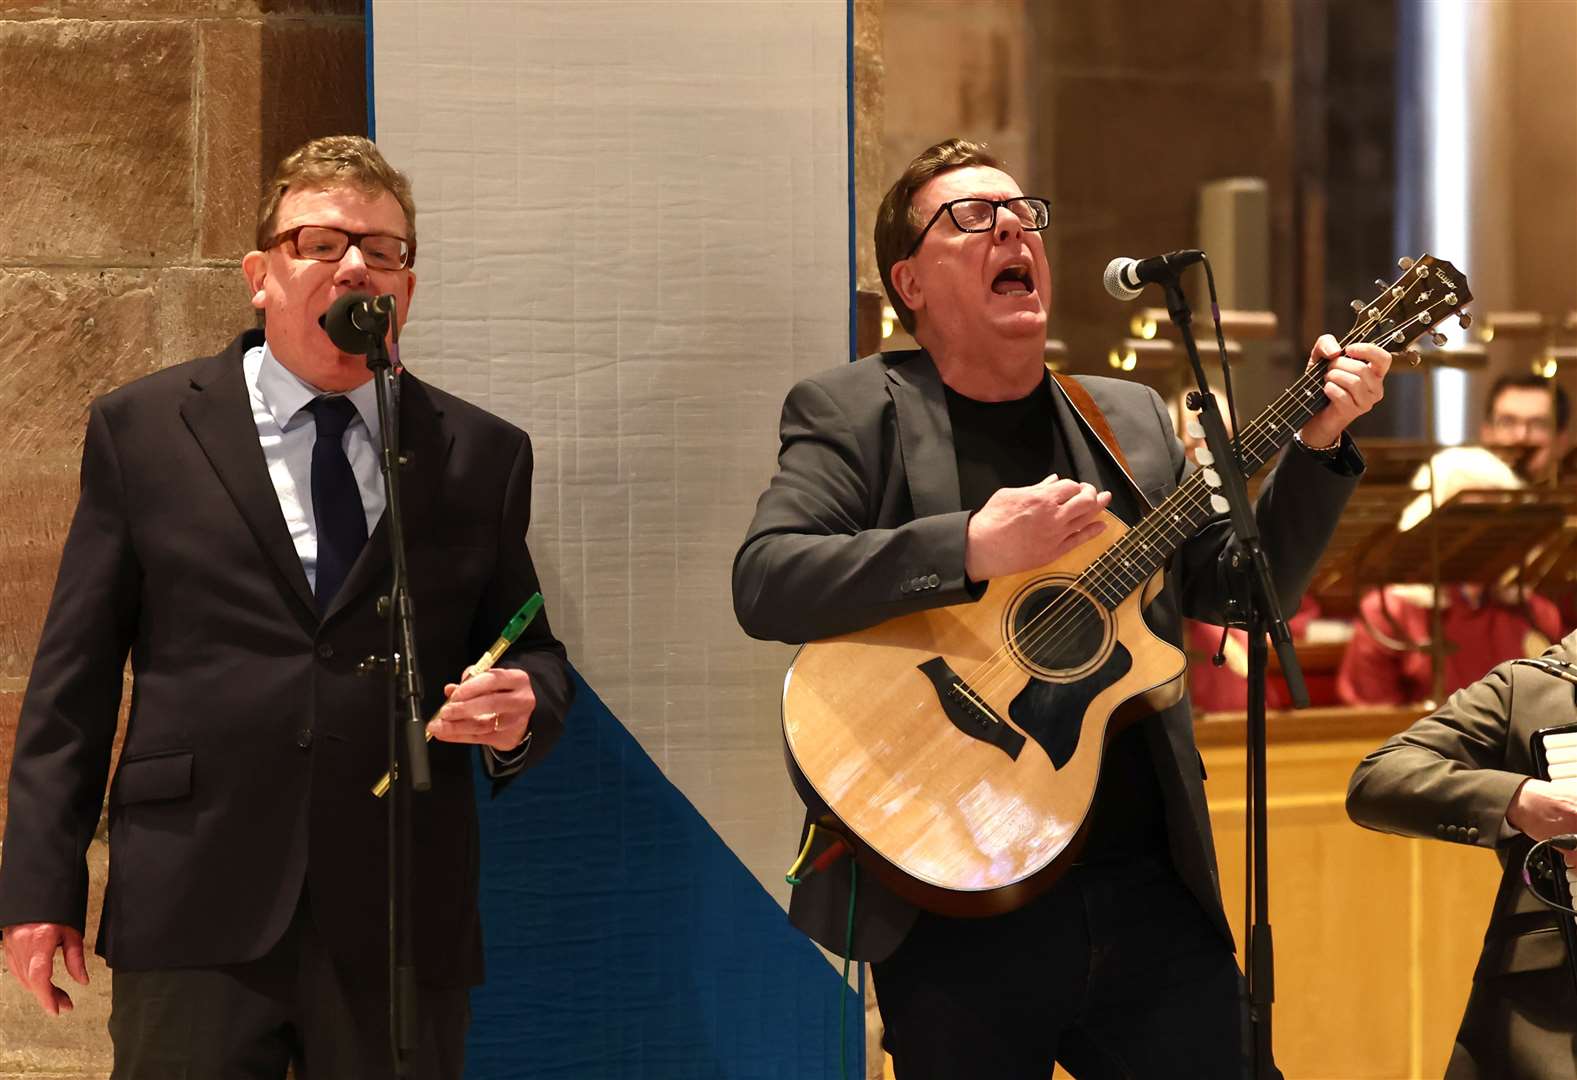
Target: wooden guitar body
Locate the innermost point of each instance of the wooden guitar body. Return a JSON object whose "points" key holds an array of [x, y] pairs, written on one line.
{"points": [[958, 748]]}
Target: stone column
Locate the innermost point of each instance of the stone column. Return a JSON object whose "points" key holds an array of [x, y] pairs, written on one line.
{"points": [[135, 136], [870, 110]]}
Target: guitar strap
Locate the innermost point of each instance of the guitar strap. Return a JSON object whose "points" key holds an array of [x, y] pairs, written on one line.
{"points": [[1091, 412]]}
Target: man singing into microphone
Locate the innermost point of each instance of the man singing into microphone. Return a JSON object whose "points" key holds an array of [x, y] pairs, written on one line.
{"points": [[231, 538], [910, 480], [1465, 773]]}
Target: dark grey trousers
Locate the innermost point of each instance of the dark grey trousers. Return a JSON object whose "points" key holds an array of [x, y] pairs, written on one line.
{"points": [[292, 1008]]}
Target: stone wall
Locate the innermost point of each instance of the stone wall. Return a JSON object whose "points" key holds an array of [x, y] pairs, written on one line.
{"points": [[134, 138]]}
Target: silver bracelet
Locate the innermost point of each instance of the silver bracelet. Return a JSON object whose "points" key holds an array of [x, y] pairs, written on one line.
{"points": [[1325, 453]]}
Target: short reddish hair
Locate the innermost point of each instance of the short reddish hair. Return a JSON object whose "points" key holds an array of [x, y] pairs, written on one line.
{"points": [[335, 161], [896, 224]]}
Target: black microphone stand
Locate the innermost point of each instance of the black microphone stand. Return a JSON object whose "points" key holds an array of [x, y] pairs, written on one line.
{"points": [[1254, 597], [405, 710]]}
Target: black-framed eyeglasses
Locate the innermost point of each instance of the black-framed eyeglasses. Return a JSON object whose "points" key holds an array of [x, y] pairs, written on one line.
{"points": [[980, 215], [324, 244]]}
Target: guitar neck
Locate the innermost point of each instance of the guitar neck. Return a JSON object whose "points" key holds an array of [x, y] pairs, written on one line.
{"points": [[1428, 291], [1124, 566]]}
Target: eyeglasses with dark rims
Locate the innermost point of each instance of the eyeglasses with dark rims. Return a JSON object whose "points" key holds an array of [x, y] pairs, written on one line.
{"points": [[324, 244], [980, 215]]}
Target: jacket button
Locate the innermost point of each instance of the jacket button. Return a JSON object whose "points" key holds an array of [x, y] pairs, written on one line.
{"points": [[304, 738], [1440, 830], [326, 651], [1472, 833], [933, 581], [903, 587]]}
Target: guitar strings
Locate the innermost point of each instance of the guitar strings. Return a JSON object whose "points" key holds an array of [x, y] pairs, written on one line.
{"points": [[1074, 614], [1193, 496], [1072, 611]]}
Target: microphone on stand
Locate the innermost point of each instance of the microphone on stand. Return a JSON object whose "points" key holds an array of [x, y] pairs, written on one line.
{"points": [[1126, 278], [356, 321]]}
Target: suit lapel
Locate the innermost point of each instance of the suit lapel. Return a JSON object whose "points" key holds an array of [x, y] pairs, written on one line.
{"points": [[925, 436], [425, 444], [218, 413]]}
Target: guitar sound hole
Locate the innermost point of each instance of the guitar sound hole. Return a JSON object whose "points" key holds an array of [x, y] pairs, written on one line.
{"points": [[1058, 629]]}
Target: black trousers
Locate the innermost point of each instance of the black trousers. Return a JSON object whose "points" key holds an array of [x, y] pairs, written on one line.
{"points": [[291, 1007], [1113, 973]]}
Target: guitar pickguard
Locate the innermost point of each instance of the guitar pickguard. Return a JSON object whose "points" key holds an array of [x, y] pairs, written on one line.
{"points": [[1053, 712]]}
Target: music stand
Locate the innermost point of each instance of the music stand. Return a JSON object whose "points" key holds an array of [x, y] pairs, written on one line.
{"points": [[1483, 536]]}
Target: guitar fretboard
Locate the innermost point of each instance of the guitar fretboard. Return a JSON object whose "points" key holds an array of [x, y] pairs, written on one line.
{"points": [[1144, 550], [1403, 312]]}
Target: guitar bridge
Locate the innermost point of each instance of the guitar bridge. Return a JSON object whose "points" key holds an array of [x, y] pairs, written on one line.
{"points": [[968, 711]]}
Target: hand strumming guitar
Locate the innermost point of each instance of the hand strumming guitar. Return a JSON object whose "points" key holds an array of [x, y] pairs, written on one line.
{"points": [[1022, 528]]}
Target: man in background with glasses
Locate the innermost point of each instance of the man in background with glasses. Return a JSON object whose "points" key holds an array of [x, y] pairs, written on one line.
{"points": [[1532, 412], [230, 538], [908, 481]]}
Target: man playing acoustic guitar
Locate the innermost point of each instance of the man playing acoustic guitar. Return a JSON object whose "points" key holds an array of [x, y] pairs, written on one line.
{"points": [[908, 481]]}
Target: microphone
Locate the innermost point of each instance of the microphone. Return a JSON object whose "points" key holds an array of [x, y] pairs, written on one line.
{"points": [[1126, 278], [356, 322], [1565, 841]]}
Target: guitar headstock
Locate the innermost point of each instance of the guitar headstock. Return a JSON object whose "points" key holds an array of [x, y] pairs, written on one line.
{"points": [[1428, 291]]}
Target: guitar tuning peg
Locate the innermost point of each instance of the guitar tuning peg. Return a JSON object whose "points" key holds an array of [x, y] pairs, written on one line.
{"points": [[1439, 339], [1412, 356], [1464, 320], [1356, 305], [1405, 263], [1381, 284]]}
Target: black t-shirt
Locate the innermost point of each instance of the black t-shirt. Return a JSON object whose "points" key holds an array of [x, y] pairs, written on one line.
{"points": [[1015, 444]]}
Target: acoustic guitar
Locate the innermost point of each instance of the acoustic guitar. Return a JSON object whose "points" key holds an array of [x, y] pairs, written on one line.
{"points": [[956, 750]]}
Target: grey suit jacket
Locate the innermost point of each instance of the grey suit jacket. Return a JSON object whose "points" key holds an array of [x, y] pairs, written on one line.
{"points": [[1452, 775], [863, 522]]}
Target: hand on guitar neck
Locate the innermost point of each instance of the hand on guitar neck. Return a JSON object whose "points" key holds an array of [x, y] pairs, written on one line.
{"points": [[1022, 528], [1354, 384]]}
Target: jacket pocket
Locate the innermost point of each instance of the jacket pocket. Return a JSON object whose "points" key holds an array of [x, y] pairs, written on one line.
{"points": [[153, 778]]}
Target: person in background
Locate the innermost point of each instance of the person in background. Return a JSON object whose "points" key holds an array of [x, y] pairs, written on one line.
{"points": [[1532, 412], [1388, 660]]}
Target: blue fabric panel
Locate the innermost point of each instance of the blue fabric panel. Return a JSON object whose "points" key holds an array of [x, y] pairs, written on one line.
{"points": [[625, 940]]}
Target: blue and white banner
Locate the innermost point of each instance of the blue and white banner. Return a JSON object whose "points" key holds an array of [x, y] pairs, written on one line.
{"points": [[633, 223]]}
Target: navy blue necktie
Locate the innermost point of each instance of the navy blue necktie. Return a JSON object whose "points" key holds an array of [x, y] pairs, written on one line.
{"points": [[336, 500]]}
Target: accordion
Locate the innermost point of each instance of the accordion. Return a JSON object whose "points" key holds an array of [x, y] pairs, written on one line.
{"points": [[1555, 759]]}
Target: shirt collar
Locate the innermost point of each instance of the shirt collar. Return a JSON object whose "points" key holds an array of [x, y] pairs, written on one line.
{"points": [[285, 394]]}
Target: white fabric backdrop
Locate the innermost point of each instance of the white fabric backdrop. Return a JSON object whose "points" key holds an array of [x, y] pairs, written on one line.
{"points": [[633, 239]]}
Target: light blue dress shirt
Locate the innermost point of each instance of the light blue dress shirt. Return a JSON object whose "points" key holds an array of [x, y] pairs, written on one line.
{"points": [[286, 431]]}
